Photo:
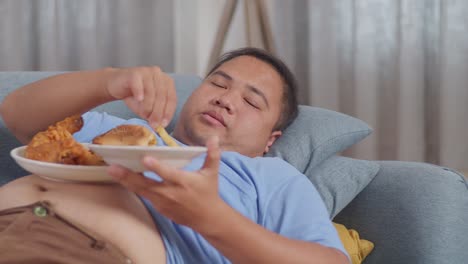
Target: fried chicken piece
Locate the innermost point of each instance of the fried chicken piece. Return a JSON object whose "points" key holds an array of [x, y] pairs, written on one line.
{"points": [[63, 130], [57, 145], [66, 151], [72, 124]]}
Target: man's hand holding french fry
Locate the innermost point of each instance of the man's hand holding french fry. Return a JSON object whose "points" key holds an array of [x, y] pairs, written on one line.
{"points": [[147, 91]]}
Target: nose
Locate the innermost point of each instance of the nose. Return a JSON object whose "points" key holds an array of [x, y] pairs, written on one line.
{"points": [[225, 101]]}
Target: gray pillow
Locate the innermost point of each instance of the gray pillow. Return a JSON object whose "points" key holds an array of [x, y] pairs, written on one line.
{"points": [[316, 135]]}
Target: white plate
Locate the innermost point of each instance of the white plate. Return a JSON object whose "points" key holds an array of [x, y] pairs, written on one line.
{"points": [[60, 172], [131, 156]]}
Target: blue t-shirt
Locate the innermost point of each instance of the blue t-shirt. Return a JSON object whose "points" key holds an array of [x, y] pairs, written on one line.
{"points": [[268, 191]]}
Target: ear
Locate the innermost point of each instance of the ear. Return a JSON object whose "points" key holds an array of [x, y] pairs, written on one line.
{"points": [[273, 137]]}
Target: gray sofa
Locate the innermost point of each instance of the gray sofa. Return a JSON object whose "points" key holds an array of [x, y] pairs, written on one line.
{"points": [[413, 212]]}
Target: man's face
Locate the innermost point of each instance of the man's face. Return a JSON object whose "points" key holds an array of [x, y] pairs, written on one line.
{"points": [[240, 102]]}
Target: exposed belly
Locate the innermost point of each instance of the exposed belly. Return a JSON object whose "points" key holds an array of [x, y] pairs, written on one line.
{"points": [[110, 211]]}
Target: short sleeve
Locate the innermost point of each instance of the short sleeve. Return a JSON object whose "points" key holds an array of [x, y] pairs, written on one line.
{"points": [[296, 210]]}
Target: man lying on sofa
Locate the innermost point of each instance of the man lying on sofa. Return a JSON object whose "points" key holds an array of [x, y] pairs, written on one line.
{"points": [[231, 206]]}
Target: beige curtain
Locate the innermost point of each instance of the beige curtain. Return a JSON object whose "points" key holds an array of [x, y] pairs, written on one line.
{"points": [[85, 34], [400, 65]]}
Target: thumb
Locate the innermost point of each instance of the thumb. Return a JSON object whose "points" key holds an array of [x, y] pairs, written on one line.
{"points": [[213, 155]]}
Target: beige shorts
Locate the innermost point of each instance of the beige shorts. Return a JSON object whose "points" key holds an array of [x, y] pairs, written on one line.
{"points": [[36, 234]]}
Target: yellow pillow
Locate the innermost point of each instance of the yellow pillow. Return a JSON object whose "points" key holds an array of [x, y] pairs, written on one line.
{"points": [[357, 248]]}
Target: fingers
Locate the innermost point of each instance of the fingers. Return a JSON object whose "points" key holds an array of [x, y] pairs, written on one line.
{"points": [[211, 165], [139, 92], [155, 118], [124, 84], [135, 182], [165, 102], [171, 101], [137, 87], [151, 93], [168, 173], [148, 91]]}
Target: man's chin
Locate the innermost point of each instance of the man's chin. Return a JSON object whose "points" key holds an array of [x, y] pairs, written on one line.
{"points": [[200, 137], [197, 133]]}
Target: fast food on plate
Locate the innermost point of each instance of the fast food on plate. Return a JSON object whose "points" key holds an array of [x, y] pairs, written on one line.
{"points": [[55, 154], [57, 145]]}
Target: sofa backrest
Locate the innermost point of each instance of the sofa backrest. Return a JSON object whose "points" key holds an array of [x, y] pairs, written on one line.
{"points": [[10, 81]]}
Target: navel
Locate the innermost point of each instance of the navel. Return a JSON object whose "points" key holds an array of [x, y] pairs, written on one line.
{"points": [[42, 188]]}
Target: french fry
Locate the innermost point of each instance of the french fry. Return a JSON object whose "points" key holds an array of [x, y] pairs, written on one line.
{"points": [[165, 137]]}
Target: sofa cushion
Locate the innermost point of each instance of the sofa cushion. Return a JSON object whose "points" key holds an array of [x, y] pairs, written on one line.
{"points": [[340, 179]]}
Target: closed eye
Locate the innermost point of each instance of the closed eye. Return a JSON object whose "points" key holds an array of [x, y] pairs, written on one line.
{"points": [[251, 103], [218, 85]]}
